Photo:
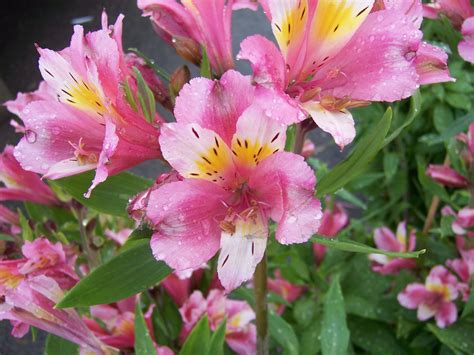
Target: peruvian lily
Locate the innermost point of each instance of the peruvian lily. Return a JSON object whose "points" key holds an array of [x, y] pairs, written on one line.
{"points": [[237, 177], [194, 23], [86, 122], [240, 333], [464, 268], [9, 221], [334, 220], [337, 55], [285, 289], [464, 223], [446, 176], [387, 241], [179, 284], [434, 298], [22, 185], [119, 237], [461, 14], [31, 301]]}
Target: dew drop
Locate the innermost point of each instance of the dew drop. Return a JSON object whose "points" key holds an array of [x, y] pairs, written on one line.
{"points": [[30, 136]]}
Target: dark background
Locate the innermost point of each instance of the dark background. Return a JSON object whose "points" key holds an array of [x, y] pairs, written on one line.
{"points": [[49, 24]]}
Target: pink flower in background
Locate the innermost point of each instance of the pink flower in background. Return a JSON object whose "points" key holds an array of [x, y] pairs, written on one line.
{"points": [[82, 120], [194, 23], [22, 185], [464, 222], [334, 56], [464, 268], [179, 285], [285, 289], [461, 14], [237, 176], [399, 243], [240, 333], [120, 237], [9, 221], [434, 298], [308, 149], [446, 176], [30, 302]]}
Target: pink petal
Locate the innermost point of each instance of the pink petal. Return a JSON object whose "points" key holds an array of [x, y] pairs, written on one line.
{"points": [[385, 240], [333, 221], [394, 266], [432, 65], [245, 4], [241, 252], [444, 175], [466, 46], [413, 295], [244, 342], [185, 216], [339, 125], [447, 314], [197, 153], [265, 58], [426, 311], [217, 104], [16, 106], [286, 183]]}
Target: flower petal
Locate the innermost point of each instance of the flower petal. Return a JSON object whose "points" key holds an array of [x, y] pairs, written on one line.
{"points": [[413, 295], [446, 315], [432, 65], [385, 240], [466, 46], [185, 215]]}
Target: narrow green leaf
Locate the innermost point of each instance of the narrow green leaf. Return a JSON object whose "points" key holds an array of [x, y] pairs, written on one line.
{"points": [[460, 125], [282, 332], [151, 63], [351, 198], [217, 340], [355, 247], [26, 231], [129, 96], [199, 340], [8, 238], [143, 342], [59, 346], [415, 107], [469, 307], [334, 333], [366, 149], [458, 336], [139, 234], [205, 65], [290, 138], [110, 197], [127, 274], [145, 97]]}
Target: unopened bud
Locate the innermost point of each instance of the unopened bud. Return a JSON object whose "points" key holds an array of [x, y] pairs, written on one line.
{"points": [[188, 49], [179, 77]]}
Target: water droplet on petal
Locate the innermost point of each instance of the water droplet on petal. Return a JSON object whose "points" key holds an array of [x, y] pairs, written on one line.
{"points": [[30, 136]]}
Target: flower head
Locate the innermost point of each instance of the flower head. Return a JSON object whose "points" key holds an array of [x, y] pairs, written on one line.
{"points": [[333, 56], [387, 241], [285, 289], [447, 176], [434, 298], [237, 177]]}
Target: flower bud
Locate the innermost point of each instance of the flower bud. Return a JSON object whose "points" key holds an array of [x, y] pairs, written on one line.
{"points": [[179, 77], [446, 176]]}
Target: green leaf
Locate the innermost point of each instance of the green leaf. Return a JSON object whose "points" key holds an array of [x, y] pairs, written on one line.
{"points": [[469, 307], [458, 337], [217, 340], [310, 343], [365, 150], [334, 333], [26, 231], [138, 235], [415, 107], [355, 247], [303, 311], [290, 138], [351, 198], [110, 197], [205, 65], [59, 346], [127, 274], [460, 125], [145, 97], [129, 96], [198, 341], [151, 63], [283, 333], [143, 342]]}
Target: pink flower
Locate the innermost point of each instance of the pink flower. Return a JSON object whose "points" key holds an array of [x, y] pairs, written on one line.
{"points": [[308, 149], [464, 268], [461, 14], [120, 237], [434, 298], [240, 333], [195, 23], [332, 57], [464, 222], [179, 285], [237, 176], [447, 176], [387, 241], [85, 122], [30, 301], [9, 221], [285, 289], [22, 185]]}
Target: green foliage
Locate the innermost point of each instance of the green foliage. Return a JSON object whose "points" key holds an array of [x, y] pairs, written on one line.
{"points": [[199, 341], [143, 341], [58, 346]]}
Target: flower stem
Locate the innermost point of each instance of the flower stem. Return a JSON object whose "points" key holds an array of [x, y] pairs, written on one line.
{"points": [[261, 306], [299, 139]]}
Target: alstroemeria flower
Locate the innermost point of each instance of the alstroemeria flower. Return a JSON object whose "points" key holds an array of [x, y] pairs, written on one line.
{"points": [[194, 23], [461, 14], [9, 221], [387, 241], [119, 237], [464, 268], [464, 223], [86, 122], [179, 284], [285, 289], [30, 301], [434, 298], [336, 55], [240, 335], [446, 176], [237, 177], [22, 185]]}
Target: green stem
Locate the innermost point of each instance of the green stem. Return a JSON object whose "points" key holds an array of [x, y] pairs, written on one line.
{"points": [[90, 254], [299, 139], [261, 306]]}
